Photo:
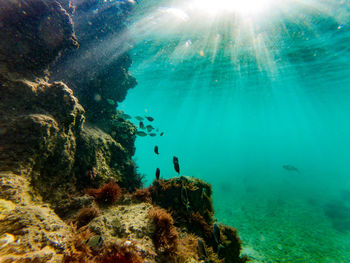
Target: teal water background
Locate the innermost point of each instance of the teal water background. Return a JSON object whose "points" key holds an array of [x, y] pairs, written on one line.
{"points": [[239, 98]]}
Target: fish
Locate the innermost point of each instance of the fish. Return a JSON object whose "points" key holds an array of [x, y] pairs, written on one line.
{"points": [[176, 164], [202, 251], [125, 116], [152, 134], [111, 102], [149, 118], [184, 199], [216, 233], [142, 126], [161, 134], [156, 150], [290, 168], [157, 173], [139, 118], [6, 239], [141, 133], [149, 128], [94, 241]]}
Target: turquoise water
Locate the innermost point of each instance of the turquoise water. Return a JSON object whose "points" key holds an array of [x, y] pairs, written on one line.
{"points": [[240, 95]]}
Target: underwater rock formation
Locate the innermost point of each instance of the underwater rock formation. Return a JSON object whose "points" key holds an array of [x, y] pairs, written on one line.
{"points": [[50, 158], [98, 70], [32, 34]]}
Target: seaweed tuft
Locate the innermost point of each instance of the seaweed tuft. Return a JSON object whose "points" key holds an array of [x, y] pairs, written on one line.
{"points": [[127, 253], [106, 194], [85, 215], [166, 236], [143, 195]]}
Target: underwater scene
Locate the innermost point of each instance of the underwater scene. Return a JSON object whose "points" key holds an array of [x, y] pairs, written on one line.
{"points": [[175, 131]]}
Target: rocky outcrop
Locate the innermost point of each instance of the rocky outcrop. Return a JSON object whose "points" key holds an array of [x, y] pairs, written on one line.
{"points": [[47, 154], [32, 34], [98, 70]]}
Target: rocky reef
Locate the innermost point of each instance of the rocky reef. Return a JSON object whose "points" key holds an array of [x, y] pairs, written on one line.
{"points": [[69, 189]]}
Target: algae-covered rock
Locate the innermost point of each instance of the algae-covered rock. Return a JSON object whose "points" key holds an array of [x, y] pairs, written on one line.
{"points": [[32, 34], [184, 196]]}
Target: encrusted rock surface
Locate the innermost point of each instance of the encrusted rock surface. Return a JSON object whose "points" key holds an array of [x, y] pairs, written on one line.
{"points": [[50, 156], [32, 34], [98, 70]]}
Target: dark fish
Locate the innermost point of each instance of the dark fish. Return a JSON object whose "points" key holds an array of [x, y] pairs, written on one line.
{"points": [[161, 134], [142, 126], [152, 134], [141, 133], [202, 251], [216, 233], [176, 164], [157, 173], [184, 199], [290, 168], [125, 116], [150, 118], [149, 128], [156, 149], [139, 118]]}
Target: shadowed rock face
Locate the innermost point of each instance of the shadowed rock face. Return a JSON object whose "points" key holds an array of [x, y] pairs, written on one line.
{"points": [[46, 151], [32, 34], [98, 70]]}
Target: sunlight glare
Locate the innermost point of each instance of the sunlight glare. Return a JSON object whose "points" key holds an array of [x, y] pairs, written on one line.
{"points": [[244, 7]]}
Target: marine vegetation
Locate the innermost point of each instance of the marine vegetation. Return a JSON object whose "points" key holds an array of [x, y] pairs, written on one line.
{"points": [[165, 237], [106, 194], [127, 252], [85, 215], [143, 195]]}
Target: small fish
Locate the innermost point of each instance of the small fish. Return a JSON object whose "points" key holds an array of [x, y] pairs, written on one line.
{"points": [[6, 239], [94, 241], [139, 118], [216, 233], [152, 134], [157, 173], [290, 168], [161, 134], [141, 133], [149, 118], [111, 102], [184, 199], [125, 116], [149, 128], [142, 126], [202, 251], [156, 150], [176, 164]]}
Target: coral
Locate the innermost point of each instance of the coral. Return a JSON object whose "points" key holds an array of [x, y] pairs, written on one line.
{"points": [[143, 195], [106, 194], [165, 237], [85, 215]]}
